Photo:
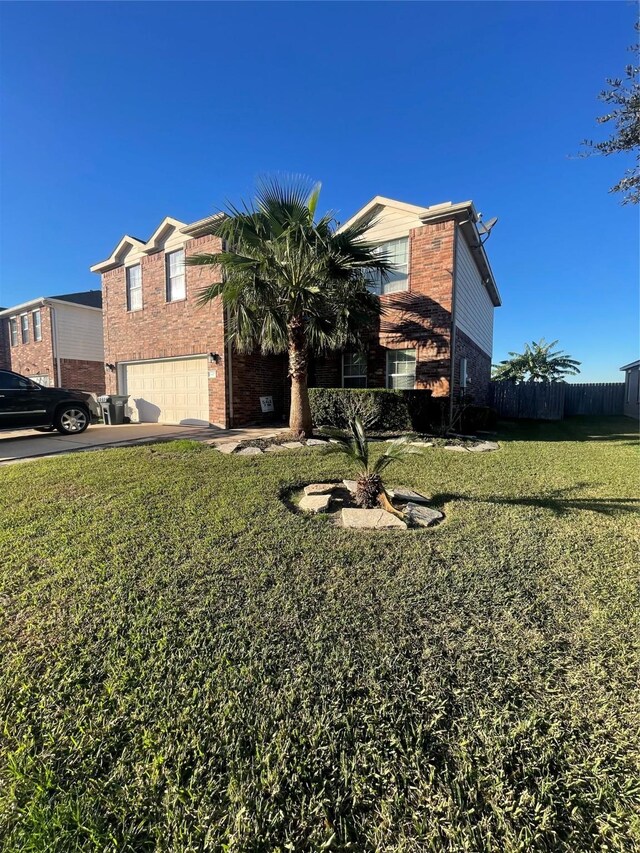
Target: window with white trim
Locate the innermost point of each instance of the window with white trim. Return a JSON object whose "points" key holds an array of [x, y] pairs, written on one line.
{"points": [[37, 325], [134, 288], [401, 368], [13, 331], [354, 370], [176, 284], [24, 328], [397, 253]]}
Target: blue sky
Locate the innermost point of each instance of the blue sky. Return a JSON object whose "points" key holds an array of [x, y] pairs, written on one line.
{"points": [[114, 115]]}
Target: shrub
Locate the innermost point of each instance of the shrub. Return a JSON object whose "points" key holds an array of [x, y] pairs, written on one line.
{"points": [[376, 407]]}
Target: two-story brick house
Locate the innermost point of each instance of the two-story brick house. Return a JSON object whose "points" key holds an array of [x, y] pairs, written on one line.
{"points": [[57, 340], [168, 353], [436, 331]]}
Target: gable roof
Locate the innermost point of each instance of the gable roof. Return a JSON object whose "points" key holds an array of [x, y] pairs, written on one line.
{"points": [[168, 226], [86, 299], [464, 213]]}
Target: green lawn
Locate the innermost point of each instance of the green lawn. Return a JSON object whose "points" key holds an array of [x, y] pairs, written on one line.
{"points": [[188, 666]]}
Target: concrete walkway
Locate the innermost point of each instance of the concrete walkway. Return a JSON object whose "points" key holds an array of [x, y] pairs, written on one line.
{"points": [[24, 445]]}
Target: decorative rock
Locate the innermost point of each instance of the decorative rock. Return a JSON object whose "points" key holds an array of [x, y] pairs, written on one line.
{"points": [[484, 447], [370, 519], [249, 451], [275, 448], [291, 445], [228, 446], [315, 503], [457, 447], [319, 489], [351, 485], [316, 442], [423, 516], [404, 495]]}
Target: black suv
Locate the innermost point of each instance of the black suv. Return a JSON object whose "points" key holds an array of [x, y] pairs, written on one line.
{"points": [[26, 405]]}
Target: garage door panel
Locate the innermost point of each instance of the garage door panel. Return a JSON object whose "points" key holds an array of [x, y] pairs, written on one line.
{"points": [[175, 391]]}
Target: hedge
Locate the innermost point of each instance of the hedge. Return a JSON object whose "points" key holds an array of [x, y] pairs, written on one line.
{"points": [[378, 408]]}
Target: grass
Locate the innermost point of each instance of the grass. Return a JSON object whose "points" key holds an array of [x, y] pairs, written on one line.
{"points": [[190, 667]]}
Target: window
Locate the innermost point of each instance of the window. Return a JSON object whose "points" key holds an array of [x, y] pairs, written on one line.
{"points": [[401, 368], [176, 289], [397, 252], [134, 288], [463, 372], [13, 382], [37, 325], [13, 331], [24, 328], [41, 379], [354, 370]]}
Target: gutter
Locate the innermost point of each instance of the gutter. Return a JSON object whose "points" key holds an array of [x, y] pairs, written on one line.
{"points": [[39, 302]]}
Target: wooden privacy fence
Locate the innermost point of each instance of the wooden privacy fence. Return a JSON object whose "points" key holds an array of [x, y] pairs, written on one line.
{"points": [[556, 400], [596, 398]]}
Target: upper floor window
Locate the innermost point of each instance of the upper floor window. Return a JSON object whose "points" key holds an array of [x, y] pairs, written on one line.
{"points": [[13, 331], [401, 368], [354, 370], [176, 287], [37, 325], [397, 252], [134, 288], [24, 328]]}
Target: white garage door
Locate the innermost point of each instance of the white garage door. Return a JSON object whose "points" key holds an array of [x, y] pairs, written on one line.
{"points": [[174, 391]]}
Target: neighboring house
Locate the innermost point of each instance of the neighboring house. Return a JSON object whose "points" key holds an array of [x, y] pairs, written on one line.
{"points": [[436, 331], [57, 340], [168, 353], [632, 389]]}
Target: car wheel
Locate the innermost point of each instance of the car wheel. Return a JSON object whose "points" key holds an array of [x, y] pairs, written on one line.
{"points": [[71, 419]]}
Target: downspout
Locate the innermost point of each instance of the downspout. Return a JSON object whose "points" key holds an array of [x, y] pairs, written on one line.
{"points": [[453, 320], [54, 340]]}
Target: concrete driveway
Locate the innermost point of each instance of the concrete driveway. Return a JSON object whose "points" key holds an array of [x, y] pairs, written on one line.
{"points": [[22, 445]]}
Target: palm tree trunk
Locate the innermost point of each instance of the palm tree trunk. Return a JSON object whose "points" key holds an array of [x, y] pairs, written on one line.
{"points": [[300, 412]]}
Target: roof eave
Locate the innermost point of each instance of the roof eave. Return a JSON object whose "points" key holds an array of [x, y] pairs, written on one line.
{"points": [[631, 365]]}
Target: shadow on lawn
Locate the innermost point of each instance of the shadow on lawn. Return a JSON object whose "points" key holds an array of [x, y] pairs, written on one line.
{"points": [[558, 501], [578, 428]]}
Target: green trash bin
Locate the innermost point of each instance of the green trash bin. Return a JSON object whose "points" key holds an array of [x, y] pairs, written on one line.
{"points": [[113, 408]]}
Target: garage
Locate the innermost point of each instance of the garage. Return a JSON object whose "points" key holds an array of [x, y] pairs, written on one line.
{"points": [[167, 391]]}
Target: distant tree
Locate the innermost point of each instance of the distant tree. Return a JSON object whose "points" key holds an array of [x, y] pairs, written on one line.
{"points": [[538, 363], [623, 98]]}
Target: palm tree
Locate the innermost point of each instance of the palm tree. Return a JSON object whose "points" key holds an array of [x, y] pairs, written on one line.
{"points": [[354, 445], [538, 363], [291, 283]]}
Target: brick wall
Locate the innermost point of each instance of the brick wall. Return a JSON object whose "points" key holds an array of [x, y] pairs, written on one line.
{"points": [[5, 357], [478, 369], [255, 376], [83, 375], [36, 357], [166, 329]]}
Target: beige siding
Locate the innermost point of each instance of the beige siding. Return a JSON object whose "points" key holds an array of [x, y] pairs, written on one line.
{"points": [[473, 306], [79, 331], [392, 224]]}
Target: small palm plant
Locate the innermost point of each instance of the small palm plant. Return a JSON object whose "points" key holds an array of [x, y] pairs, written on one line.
{"points": [[353, 444]]}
